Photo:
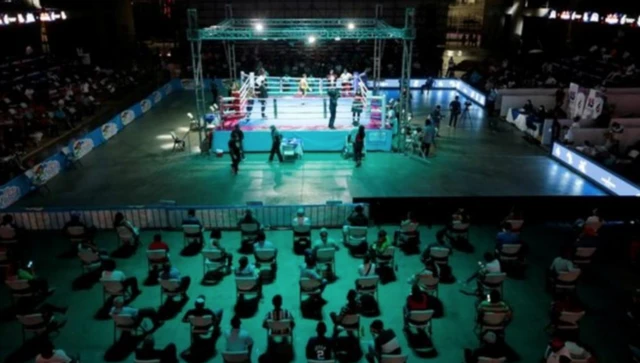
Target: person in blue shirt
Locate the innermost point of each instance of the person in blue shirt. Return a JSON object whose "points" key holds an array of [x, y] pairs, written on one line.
{"points": [[507, 236], [238, 340], [172, 273]]}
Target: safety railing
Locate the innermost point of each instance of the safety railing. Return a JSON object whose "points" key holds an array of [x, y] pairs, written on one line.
{"points": [[328, 215]]}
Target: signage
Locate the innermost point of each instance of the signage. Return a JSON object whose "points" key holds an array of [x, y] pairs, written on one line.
{"points": [[47, 16], [593, 17], [591, 170]]}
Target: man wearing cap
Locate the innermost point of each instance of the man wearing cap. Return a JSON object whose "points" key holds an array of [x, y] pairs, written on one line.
{"points": [[489, 348], [200, 310]]}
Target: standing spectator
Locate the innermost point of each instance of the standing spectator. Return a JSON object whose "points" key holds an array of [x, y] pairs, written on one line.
{"points": [[352, 307], [214, 91], [8, 229], [455, 108], [358, 145], [237, 339], [238, 136], [235, 153], [436, 117]]}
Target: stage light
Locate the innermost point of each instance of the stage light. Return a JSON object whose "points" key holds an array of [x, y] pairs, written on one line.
{"points": [[337, 39], [312, 39], [259, 27], [351, 26], [190, 115]]}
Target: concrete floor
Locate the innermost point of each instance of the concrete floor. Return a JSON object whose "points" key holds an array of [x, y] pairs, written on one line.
{"points": [[138, 167], [453, 332]]}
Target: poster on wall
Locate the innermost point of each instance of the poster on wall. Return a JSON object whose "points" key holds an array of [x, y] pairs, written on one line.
{"points": [[573, 91], [593, 106]]}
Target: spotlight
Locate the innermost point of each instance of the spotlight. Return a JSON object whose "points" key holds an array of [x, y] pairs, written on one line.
{"points": [[337, 39], [190, 115], [351, 26], [312, 39], [259, 27]]}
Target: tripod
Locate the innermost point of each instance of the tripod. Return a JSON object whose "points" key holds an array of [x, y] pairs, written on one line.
{"points": [[466, 116]]}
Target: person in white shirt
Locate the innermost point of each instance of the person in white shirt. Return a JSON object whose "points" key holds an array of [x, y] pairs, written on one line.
{"points": [[561, 263], [368, 268], [48, 354], [110, 273], [300, 219], [119, 308], [491, 265], [301, 226], [324, 242], [237, 339]]}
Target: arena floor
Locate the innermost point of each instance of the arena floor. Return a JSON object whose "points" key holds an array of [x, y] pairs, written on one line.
{"points": [[90, 333], [138, 167]]}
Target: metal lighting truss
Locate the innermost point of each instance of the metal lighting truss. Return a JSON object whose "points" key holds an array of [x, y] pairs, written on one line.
{"points": [[231, 30]]}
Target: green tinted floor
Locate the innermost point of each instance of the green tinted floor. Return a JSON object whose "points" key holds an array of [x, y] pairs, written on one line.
{"points": [[453, 332]]}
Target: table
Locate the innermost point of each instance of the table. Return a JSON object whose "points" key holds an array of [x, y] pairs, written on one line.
{"points": [[292, 143]]}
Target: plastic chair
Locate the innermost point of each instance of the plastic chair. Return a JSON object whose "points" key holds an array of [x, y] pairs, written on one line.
{"points": [[156, 258], [309, 287], [368, 285], [567, 280], [169, 288], [236, 357], [89, 260], [350, 324], [125, 323], [396, 358], [212, 259], [112, 288], [246, 285], [420, 319], [191, 233], [34, 323], [493, 281], [356, 235], [280, 329], [201, 325], [326, 257], [125, 235], [440, 255], [429, 283]]}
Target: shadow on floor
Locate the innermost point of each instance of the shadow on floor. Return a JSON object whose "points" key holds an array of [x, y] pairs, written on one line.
{"points": [[246, 308], [123, 347], [278, 351], [171, 308], [86, 280], [201, 349]]}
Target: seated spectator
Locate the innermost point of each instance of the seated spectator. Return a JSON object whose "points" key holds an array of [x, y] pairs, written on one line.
{"points": [[417, 300], [119, 308], [324, 242], [75, 221], [506, 236], [458, 219], [528, 107], [593, 223], [493, 304], [309, 270], [278, 313], [121, 222], [159, 244], [216, 237], [356, 219], [237, 339], [430, 267], [8, 229], [249, 219], [491, 265], [148, 351], [560, 351], [192, 220], [385, 342], [320, 347], [352, 307], [90, 246], [566, 302], [490, 347], [246, 269], [561, 263], [408, 231], [368, 267], [380, 246], [200, 310], [300, 219], [172, 273], [514, 216], [37, 284], [262, 243], [110, 273], [48, 354]]}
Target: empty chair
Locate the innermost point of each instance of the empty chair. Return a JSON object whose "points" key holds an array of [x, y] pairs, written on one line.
{"points": [[19, 288], [236, 357], [492, 281], [583, 256], [247, 285], [309, 287], [34, 323], [566, 280], [569, 320], [201, 325], [126, 323], [156, 259], [192, 233], [492, 360], [420, 320], [368, 285], [395, 358]]}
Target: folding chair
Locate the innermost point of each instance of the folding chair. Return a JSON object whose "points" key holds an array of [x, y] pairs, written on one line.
{"points": [[8, 236], [309, 287], [301, 237], [509, 253], [266, 256], [420, 320], [459, 232], [112, 288], [569, 320], [236, 357], [368, 285], [126, 323], [566, 280], [280, 329], [349, 324], [5, 263], [76, 234], [387, 259], [246, 285], [326, 257], [156, 258], [146, 361], [192, 233], [212, 259], [19, 289], [34, 323], [125, 235], [494, 321], [409, 231], [201, 325], [493, 281], [248, 233], [395, 358], [440, 255], [178, 144], [356, 235], [169, 288], [491, 360], [429, 283], [583, 256], [516, 225], [89, 260]]}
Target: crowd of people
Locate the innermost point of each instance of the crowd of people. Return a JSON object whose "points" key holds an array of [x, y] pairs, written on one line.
{"points": [[43, 97], [493, 312]]}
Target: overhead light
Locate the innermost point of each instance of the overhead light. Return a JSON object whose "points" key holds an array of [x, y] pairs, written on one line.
{"points": [[190, 115], [337, 39], [351, 26], [259, 27], [312, 39]]}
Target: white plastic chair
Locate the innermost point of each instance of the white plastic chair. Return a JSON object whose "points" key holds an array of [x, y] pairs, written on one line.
{"points": [[356, 235], [516, 225], [321, 361], [301, 235], [420, 319], [280, 329], [156, 258], [567, 280], [19, 288], [494, 321], [289, 152], [368, 285], [584, 255], [509, 252], [248, 232], [265, 255], [350, 324], [326, 257], [8, 235], [396, 358], [201, 325], [309, 287], [125, 323], [89, 260], [493, 281], [246, 285], [212, 259], [125, 235], [76, 234], [34, 323], [491, 360], [428, 283], [169, 288], [440, 255], [388, 258], [569, 320], [236, 357], [112, 288], [191, 233], [146, 361]]}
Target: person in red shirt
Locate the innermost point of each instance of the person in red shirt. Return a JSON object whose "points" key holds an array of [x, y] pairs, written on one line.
{"points": [[417, 300], [158, 244]]}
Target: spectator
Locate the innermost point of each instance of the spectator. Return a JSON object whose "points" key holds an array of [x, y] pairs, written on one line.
{"points": [[356, 219], [560, 97], [569, 137], [408, 230], [121, 222], [8, 228], [158, 244], [455, 108], [246, 269], [300, 219], [320, 347], [36, 283], [380, 246], [308, 270], [200, 310], [191, 219], [278, 313], [352, 307], [148, 351], [119, 308], [216, 237], [249, 219], [110, 273], [428, 138], [459, 218], [528, 108], [490, 347], [90, 246], [261, 242], [238, 340], [417, 300], [561, 263], [324, 242], [172, 273], [48, 354], [75, 221], [491, 265], [368, 267], [385, 342], [493, 304], [506, 236]]}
